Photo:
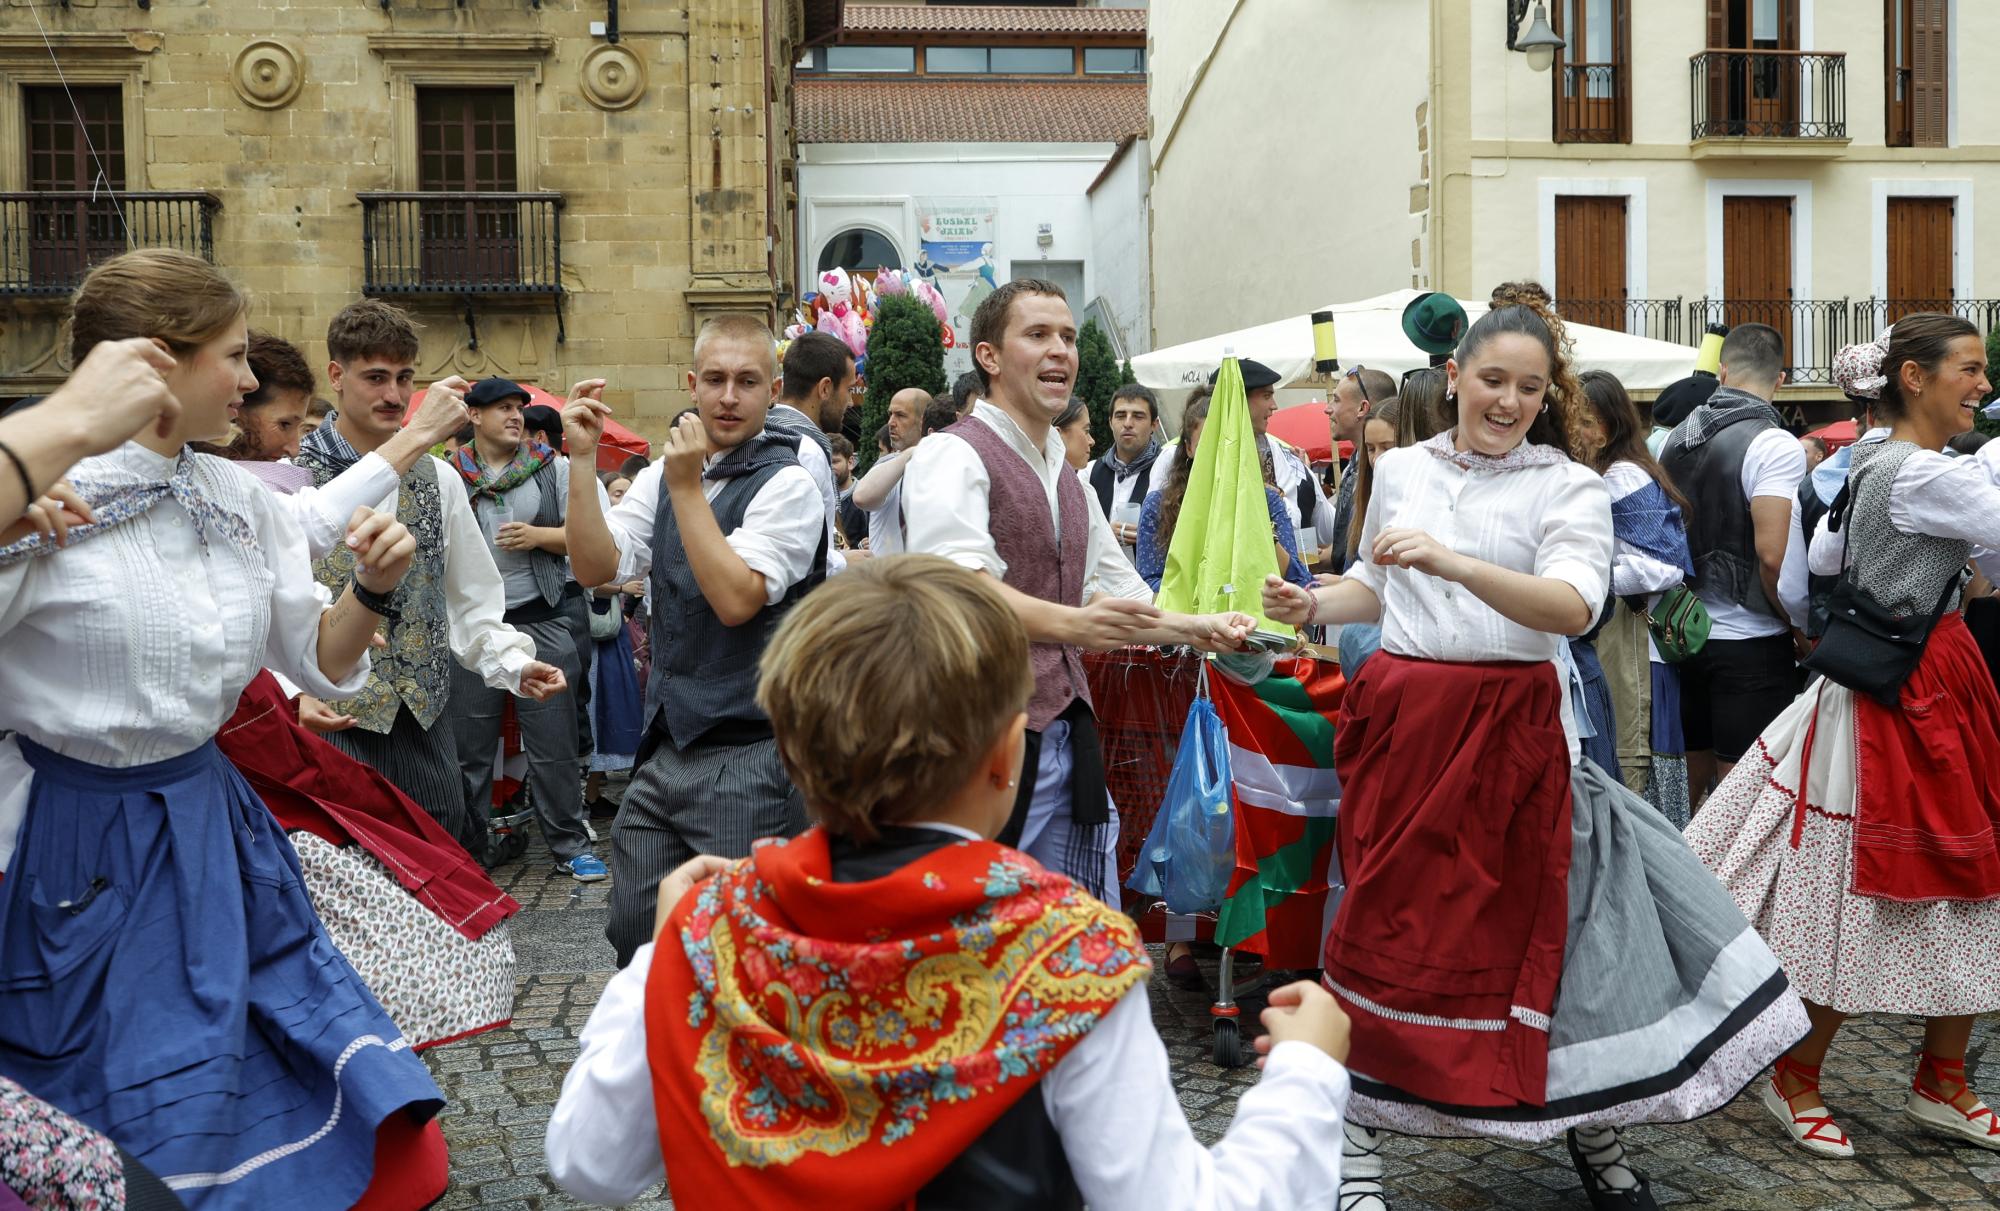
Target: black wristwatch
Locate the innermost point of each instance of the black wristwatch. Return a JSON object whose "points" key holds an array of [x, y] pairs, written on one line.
{"points": [[373, 602]]}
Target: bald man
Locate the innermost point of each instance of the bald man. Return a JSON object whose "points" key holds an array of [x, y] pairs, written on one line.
{"points": [[880, 492]]}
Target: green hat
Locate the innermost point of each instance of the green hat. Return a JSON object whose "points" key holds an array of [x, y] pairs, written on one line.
{"points": [[1434, 322]]}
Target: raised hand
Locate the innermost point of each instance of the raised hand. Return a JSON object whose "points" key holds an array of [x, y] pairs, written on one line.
{"points": [[120, 390], [583, 418], [441, 412], [1286, 602], [686, 450], [383, 548]]}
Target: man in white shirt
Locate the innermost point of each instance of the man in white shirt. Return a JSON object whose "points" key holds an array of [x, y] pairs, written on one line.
{"points": [[1360, 391], [998, 497], [448, 606], [1740, 470], [818, 374], [880, 492], [732, 532]]}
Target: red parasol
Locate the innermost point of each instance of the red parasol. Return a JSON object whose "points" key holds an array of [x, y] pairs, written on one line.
{"points": [[1839, 433], [1306, 426], [619, 442]]}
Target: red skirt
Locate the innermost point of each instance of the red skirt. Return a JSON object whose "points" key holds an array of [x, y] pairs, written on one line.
{"points": [[1454, 837], [1927, 807]]}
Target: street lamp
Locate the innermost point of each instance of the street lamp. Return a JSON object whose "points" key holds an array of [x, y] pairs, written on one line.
{"points": [[1540, 43]]}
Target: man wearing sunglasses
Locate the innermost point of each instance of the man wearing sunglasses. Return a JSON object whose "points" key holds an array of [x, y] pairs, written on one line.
{"points": [[1358, 393]]}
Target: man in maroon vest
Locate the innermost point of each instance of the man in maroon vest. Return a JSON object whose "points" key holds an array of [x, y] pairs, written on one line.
{"points": [[993, 493]]}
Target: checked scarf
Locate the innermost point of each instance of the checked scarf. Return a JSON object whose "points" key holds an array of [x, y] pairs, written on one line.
{"points": [[530, 458], [115, 501]]}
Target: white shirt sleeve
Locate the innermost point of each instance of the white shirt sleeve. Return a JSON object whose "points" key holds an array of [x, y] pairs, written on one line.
{"points": [[813, 459], [475, 597], [1794, 589], [781, 531], [1828, 553], [948, 476], [631, 525], [291, 646], [1111, 572], [871, 491], [1773, 465], [1163, 466], [1949, 497], [603, 1140], [1575, 545], [323, 512], [1128, 1142]]}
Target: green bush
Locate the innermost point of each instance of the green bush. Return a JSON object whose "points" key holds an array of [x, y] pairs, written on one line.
{"points": [[1096, 379], [905, 349]]}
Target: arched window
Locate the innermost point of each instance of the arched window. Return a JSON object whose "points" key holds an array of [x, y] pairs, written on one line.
{"points": [[858, 250]]}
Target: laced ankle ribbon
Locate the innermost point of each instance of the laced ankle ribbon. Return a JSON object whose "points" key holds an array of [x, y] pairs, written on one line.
{"points": [[1814, 1124], [1953, 1071]]}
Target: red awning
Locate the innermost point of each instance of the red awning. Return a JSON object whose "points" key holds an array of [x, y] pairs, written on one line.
{"points": [[1306, 426], [619, 442], [1839, 433]]}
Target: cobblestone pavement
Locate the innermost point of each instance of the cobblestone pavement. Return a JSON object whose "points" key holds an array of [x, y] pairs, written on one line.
{"points": [[502, 1088]]}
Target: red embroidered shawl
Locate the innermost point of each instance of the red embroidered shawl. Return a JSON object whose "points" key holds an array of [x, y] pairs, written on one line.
{"points": [[837, 1044]]}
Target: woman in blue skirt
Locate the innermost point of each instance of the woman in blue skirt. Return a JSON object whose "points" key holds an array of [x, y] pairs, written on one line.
{"points": [[163, 978]]}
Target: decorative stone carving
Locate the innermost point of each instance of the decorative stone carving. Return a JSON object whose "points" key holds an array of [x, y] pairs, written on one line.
{"points": [[613, 77], [268, 74]]}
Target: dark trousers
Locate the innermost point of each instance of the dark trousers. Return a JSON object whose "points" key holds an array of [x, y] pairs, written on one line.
{"points": [[576, 612], [548, 735], [423, 763]]}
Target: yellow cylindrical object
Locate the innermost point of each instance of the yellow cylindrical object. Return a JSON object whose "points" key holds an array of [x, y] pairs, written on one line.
{"points": [[1710, 359], [1326, 357]]}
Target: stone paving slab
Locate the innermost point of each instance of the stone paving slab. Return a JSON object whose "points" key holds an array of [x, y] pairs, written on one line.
{"points": [[502, 1088]]}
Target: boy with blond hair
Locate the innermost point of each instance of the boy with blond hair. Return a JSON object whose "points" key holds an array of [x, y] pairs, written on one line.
{"points": [[893, 1010]]}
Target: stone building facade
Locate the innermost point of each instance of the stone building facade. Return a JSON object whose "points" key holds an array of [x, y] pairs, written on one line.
{"points": [[558, 189]]}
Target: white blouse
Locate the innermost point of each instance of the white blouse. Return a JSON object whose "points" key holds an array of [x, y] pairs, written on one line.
{"points": [[1551, 520], [947, 490], [134, 646], [1933, 494]]}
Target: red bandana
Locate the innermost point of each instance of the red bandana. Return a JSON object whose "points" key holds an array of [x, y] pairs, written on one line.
{"points": [[846, 1066]]}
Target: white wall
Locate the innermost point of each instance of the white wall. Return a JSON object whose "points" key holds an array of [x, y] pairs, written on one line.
{"points": [[1119, 238], [1285, 149], [877, 185]]}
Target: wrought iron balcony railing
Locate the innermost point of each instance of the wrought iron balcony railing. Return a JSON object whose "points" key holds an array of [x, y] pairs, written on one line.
{"points": [[1814, 329], [1768, 94], [463, 246], [50, 239], [1591, 103]]}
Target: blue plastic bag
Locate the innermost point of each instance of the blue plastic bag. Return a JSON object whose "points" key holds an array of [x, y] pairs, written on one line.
{"points": [[1190, 854]]}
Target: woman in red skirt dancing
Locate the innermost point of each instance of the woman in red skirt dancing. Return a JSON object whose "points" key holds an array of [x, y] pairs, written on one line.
{"points": [[1525, 947], [1859, 837]]}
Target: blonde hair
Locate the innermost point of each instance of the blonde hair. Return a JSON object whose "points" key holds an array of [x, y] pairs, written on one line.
{"points": [[175, 297], [734, 326], [888, 685]]}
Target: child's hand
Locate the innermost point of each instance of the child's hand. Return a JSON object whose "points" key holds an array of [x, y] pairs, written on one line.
{"points": [[680, 881], [1306, 1013]]}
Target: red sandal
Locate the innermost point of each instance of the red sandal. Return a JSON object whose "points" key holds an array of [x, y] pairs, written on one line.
{"points": [[1935, 1110], [1815, 1131]]}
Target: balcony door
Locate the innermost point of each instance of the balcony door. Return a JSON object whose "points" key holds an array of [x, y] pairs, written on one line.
{"points": [[1593, 90], [465, 144], [1590, 260], [1755, 91], [76, 144], [1757, 264], [1920, 255]]}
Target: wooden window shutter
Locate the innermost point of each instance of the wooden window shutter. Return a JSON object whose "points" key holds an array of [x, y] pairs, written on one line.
{"points": [[1930, 72]]}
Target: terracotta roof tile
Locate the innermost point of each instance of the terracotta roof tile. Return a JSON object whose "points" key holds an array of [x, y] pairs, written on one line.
{"points": [[990, 18], [908, 110]]}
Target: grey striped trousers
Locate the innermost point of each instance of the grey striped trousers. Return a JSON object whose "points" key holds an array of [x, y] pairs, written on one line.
{"points": [[704, 799]]}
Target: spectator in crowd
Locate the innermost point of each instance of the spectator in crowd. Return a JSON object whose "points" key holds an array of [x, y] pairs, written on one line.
{"points": [[616, 695], [732, 530], [1815, 450], [1360, 391], [901, 858], [1121, 478], [632, 466], [543, 424], [850, 517], [1739, 469], [964, 389], [818, 371], [1073, 422], [270, 421], [316, 413], [880, 492], [519, 490]]}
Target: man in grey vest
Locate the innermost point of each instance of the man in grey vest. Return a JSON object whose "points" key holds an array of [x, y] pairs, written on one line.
{"points": [[732, 531], [447, 609], [999, 498], [1739, 469], [519, 491]]}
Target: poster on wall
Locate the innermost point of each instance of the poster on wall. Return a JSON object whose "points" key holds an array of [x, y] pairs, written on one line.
{"points": [[955, 254]]}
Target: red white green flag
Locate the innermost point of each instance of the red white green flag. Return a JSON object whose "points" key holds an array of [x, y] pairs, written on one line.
{"points": [[1286, 792]]}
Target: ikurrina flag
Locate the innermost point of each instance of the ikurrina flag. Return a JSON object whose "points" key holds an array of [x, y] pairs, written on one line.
{"points": [[1281, 763]]}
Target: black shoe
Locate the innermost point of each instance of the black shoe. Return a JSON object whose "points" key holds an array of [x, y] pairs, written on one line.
{"points": [[601, 808], [1183, 972], [1602, 1197]]}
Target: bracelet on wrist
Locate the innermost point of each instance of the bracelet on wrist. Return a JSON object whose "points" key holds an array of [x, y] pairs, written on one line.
{"points": [[21, 469], [373, 602]]}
